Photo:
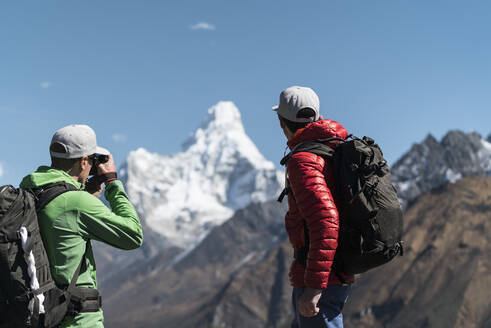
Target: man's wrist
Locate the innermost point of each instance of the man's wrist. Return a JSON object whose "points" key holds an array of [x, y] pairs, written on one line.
{"points": [[111, 187], [107, 177], [313, 290]]}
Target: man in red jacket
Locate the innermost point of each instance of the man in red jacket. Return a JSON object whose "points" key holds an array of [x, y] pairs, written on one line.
{"points": [[312, 220]]}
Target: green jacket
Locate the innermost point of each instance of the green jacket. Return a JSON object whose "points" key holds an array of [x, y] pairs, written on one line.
{"points": [[71, 220]]}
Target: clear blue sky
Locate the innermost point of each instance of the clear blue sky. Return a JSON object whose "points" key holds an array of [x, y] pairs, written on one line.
{"points": [[143, 73]]}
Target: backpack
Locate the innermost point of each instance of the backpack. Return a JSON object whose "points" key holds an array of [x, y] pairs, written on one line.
{"points": [[28, 294], [371, 219]]}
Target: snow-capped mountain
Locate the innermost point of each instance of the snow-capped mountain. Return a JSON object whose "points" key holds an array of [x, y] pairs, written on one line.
{"points": [[219, 170], [430, 164]]}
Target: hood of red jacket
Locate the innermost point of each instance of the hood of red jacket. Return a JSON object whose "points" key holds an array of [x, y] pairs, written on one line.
{"points": [[321, 129]]}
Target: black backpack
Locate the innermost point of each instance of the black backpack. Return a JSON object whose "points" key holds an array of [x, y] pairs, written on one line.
{"points": [[370, 212], [18, 209]]}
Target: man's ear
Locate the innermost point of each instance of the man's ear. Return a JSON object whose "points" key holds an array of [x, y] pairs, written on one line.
{"points": [[282, 124], [286, 130], [76, 168], [84, 162]]}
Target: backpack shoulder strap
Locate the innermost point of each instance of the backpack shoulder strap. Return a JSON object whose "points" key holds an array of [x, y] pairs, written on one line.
{"points": [[77, 272], [317, 147], [47, 193]]}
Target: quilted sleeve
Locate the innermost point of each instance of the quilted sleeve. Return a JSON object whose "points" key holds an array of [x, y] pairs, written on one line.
{"points": [[315, 203]]}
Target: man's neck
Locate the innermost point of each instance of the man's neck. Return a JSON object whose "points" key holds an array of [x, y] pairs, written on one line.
{"points": [[288, 133], [76, 178]]}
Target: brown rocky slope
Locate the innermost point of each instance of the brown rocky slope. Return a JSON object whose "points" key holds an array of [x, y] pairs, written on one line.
{"points": [[238, 276], [444, 278]]}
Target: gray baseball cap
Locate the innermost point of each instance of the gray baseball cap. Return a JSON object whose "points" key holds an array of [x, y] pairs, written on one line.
{"points": [[78, 140], [295, 98]]}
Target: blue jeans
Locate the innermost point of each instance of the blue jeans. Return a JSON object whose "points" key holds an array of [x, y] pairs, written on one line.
{"points": [[330, 307]]}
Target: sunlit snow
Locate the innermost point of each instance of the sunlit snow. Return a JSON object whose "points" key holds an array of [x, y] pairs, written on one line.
{"points": [[220, 170]]}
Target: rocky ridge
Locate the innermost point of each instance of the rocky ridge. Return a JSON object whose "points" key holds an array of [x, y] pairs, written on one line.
{"points": [[430, 164], [237, 279], [238, 276], [154, 294], [444, 278]]}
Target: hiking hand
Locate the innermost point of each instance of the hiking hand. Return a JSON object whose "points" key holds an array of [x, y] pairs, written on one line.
{"points": [[107, 167], [98, 192], [93, 186], [307, 302]]}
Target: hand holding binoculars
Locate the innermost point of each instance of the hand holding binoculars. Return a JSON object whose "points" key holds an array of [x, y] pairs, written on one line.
{"points": [[103, 170], [97, 159]]}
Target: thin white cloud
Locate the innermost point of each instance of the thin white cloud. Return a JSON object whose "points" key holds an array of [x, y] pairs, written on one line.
{"points": [[1, 170], [202, 26], [46, 84], [119, 137]]}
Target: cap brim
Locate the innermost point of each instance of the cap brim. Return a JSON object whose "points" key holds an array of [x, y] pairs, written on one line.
{"points": [[275, 108], [102, 151]]}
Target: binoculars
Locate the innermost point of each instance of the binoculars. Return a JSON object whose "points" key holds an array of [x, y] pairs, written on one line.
{"points": [[93, 184], [96, 160]]}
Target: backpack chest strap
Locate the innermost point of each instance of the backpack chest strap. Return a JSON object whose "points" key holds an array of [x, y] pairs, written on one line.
{"points": [[10, 236]]}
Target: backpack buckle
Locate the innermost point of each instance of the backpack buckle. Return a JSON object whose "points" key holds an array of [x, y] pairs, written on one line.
{"points": [[401, 248], [354, 167], [285, 192], [10, 236]]}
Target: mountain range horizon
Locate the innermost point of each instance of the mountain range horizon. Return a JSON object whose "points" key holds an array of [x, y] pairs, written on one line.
{"points": [[220, 163], [220, 154]]}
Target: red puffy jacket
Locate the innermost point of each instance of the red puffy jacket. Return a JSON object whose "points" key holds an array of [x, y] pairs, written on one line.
{"points": [[311, 199]]}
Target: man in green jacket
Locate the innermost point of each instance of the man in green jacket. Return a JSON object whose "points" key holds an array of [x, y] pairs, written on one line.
{"points": [[71, 220]]}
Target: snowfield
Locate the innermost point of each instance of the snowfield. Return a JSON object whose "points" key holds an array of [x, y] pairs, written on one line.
{"points": [[219, 170]]}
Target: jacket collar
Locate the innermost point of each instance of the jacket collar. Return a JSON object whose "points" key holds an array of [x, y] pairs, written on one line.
{"points": [[321, 129]]}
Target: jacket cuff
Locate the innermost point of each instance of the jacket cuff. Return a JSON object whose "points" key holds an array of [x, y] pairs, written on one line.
{"points": [[315, 281], [113, 186]]}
